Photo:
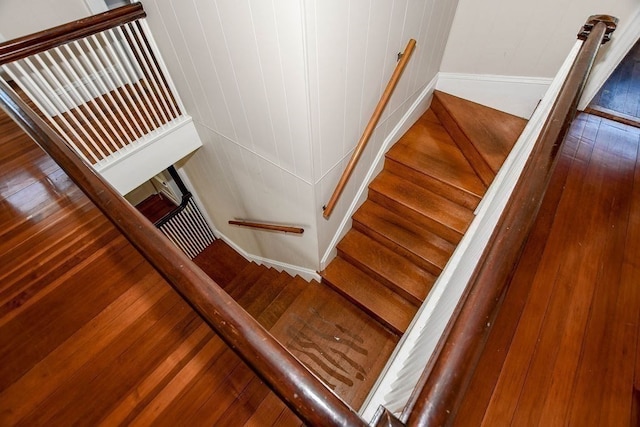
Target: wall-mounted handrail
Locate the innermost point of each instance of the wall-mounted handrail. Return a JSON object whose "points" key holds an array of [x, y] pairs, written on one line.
{"points": [[368, 131], [269, 227], [286, 376], [444, 380], [22, 47]]}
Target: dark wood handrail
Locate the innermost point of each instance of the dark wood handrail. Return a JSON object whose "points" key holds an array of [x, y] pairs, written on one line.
{"points": [[22, 47], [286, 376], [269, 227], [444, 381], [368, 131]]}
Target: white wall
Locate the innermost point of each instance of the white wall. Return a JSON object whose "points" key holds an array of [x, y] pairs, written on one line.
{"points": [[21, 17], [521, 37], [353, 48], [280, 91]]}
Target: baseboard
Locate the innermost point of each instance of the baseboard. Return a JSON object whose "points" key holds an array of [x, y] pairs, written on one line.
{"points": [[512, 94], [419, 106], [294, 270]]}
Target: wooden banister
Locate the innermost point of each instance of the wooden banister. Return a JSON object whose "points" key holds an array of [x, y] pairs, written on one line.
{"points": [[269, 227], [368, 131], [444, 381], [285, 375], [23, 47]]}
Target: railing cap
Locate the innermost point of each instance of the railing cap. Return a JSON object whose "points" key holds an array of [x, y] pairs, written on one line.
{"points": [[610, 21], [22, 47]]}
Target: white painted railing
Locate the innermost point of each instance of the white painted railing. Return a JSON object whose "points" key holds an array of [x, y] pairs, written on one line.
{"points": [[400, 376], [107, 93]]}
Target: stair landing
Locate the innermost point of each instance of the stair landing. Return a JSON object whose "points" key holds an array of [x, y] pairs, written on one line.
{"points": [[419, 207], [341, 344]]}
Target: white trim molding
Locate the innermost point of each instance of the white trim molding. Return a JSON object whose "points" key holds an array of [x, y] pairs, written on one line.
{"points": [[131, 167], [512, 94], [294, 270]]}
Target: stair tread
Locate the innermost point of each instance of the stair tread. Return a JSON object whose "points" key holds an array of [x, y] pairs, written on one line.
{"points": [[221, 262], [429, 149], [493, 132], [375, 298], [244, 280], [423, 201], [260, 292], [399, 274], [396, 231], [292, 289]]}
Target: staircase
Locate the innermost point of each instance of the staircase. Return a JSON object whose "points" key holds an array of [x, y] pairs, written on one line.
{"points": [[339, 343], [419, 207]]}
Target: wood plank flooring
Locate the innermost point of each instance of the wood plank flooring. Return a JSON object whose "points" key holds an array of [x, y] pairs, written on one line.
{"points": [[619, 97], [564, 348], [90, 334]]}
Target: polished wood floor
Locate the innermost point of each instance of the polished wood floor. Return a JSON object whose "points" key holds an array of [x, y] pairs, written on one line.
{"points": [[91, 335], [564, 348], [619, 97]]}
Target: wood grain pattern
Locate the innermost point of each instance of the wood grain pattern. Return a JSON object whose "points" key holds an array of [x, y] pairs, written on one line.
{"points": [[619, 97], [90, 333], [566, 357]]}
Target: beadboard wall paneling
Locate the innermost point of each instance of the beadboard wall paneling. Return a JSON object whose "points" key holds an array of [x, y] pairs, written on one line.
{"points": [[350, 62], [224, 172], [521, 38], [281, 91]]}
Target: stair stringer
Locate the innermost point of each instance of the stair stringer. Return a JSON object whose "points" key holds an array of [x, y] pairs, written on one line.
{"points": [[417, 109], [423, 334]]}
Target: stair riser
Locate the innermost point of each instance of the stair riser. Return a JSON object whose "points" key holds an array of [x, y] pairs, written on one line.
{"points": [[364, 308], [388, 283], [457, 195], [438, 228], [425, 264]]}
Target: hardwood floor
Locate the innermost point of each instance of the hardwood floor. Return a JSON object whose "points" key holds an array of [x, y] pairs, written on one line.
{"points": [[619, 98], [564, 348], [90, 334]]}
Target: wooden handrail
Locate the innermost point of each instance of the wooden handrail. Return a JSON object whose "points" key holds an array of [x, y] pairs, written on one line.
{"points": [[270, 227], [22, 47], [444, 381], [368, 131], [286, 376]]}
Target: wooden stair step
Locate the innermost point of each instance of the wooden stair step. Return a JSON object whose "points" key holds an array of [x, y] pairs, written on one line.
{"points": [[470, 151], [244, 280], [409, 164], [422, 247], [221, 262], [428, 156], [292, 289], [380, 302], [492, 132], [429, 149], [397, 273], [263, 291], [432, 211]]}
